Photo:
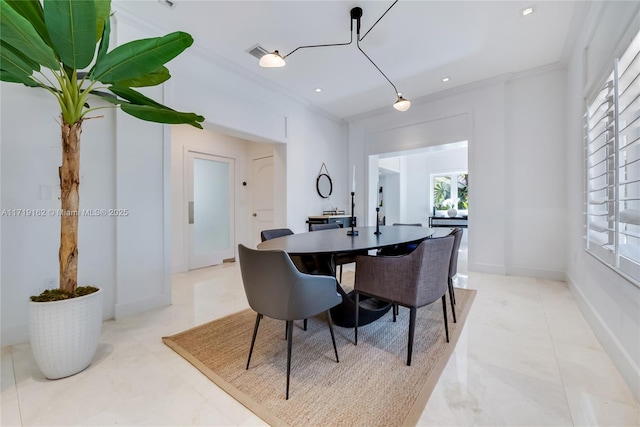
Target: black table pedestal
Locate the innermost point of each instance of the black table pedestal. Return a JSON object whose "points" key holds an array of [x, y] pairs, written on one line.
{"points": [[344, 314], [371, 309]]}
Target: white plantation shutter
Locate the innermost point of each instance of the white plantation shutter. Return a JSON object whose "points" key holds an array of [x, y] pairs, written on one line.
{"points": [[612, 165], [628, 172], [599, 152]]}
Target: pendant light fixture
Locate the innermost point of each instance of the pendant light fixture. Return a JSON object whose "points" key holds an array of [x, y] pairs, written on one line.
{"points": [[274, 59]]}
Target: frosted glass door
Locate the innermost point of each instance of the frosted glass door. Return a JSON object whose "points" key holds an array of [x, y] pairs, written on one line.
{"points": [[210, 210]]}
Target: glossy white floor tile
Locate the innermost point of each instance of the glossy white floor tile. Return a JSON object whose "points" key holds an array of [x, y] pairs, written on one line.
{"points": [[526, 357]]}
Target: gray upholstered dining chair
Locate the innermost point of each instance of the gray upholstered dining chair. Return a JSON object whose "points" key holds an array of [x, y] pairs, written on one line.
{"points": [[276, 289], [453, 266], [413, 280]]}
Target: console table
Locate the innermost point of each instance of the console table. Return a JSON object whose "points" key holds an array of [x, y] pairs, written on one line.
{"points": [[447, 221], [343, 220]]}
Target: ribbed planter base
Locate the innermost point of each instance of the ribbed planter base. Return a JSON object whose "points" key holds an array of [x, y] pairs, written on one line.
{"points": [[65, 334]]}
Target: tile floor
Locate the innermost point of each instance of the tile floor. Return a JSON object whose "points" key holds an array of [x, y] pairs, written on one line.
{"points": [[526, 357]]}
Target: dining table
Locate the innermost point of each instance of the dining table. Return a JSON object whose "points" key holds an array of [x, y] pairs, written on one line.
{"points": [[324, 245]]}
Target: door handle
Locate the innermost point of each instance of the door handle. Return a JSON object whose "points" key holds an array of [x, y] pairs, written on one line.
{"points": [[255, 214], [190, 212]]}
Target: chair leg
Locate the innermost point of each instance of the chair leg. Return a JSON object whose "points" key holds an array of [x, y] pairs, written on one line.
{"points": [[394, 308], [253, 339], [289, 345], [340, 273], [305, 324], [286, 329], [333, 338], [453, 294], [412, 328], [357, 295], [444, 310], [452, 300]]}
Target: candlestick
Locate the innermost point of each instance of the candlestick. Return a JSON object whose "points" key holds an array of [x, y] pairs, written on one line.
{"points": [[353, 182], [377, 232], [352, 232]]}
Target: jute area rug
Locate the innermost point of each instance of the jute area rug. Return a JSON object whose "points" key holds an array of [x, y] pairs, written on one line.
{"points": [[371, 386]]}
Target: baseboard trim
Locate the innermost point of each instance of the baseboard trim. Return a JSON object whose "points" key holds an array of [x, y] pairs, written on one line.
{"points": [[624, 363], [486, 268], [536, 272]]}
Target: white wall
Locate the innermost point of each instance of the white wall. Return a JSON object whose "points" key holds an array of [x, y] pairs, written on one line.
{"points": [[479, 113], [31, 154], [610, 303], [313, 140], [141, 174], [535, 199]]}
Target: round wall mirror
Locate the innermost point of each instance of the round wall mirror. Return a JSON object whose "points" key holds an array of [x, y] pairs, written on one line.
{"points": [[324, 185]]}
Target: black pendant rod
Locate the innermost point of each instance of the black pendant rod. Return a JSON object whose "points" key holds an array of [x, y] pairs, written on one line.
{"points": [[365, 34], [378, 68], [356, 15], [322, 45]]}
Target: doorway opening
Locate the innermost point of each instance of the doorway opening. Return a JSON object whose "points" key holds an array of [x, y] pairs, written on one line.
{"points": [[414, 186]]}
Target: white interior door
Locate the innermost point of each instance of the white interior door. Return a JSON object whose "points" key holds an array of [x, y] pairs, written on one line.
{"points": [[262, 196], [210, 213]]}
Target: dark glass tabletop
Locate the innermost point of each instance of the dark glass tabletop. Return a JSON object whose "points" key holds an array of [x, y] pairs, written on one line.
{"points": [[337, 240]]}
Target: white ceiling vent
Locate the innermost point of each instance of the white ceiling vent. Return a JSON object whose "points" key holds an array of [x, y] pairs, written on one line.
{"points": [[257, 51], [168, 3]]}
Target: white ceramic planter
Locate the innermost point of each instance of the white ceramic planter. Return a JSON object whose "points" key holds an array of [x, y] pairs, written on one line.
{"points": [[65, 334]]}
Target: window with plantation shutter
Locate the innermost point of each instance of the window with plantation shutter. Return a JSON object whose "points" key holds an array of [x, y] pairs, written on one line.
{"points": [[612, 165]]}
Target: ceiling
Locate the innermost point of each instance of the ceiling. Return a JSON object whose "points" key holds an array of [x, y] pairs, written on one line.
{"points": [[416, 44]]}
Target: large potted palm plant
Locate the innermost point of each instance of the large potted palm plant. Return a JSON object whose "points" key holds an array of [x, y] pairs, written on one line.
{"points": [[62, 47]]}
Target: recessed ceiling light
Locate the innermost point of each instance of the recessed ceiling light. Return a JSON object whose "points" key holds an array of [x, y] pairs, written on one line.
{"points": [[318, 90], [527, 11], [445, 79]]}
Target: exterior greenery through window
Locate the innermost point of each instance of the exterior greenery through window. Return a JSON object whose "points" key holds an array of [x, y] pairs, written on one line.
{"points": [[443, 196]]}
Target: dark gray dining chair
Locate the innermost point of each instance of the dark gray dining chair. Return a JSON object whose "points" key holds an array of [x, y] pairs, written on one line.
{"points": [[339, 259], [453, 266], [277, 289], [274, 232], [305, 263], [401, 249], [413, 280]]}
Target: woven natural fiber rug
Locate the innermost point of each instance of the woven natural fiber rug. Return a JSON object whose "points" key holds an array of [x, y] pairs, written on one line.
{"points": [[371, 386]]}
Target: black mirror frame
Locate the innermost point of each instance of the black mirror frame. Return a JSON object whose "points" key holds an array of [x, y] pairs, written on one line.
{"points": [[318, 185]]}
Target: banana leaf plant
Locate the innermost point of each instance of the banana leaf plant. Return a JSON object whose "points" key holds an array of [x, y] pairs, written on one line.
{"points": [[62, 47]]}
